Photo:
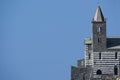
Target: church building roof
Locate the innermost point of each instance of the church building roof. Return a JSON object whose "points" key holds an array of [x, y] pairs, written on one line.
{"points": [[113, 42]]}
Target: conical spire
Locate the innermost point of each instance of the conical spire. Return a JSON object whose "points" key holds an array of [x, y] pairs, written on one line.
{"points": [[98, 17]]}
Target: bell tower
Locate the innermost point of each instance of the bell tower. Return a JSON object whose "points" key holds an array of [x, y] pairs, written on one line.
{"points": [[98, 31]]}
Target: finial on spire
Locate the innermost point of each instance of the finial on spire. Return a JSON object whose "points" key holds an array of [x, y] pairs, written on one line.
{"points": [[98, 2]]}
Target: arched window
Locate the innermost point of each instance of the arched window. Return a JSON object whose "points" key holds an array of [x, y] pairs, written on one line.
{"points": [[99, 72], [99, 40], [99, 29], [115, 55], [115, 70], [100, 55]]}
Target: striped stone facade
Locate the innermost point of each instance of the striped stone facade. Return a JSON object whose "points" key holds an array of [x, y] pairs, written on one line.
{"points": [[107, 62], [88, 52], [102, 54]]}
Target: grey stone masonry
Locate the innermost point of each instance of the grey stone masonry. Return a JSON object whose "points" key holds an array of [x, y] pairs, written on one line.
{"points": [[102, 54], [81, 72], [106, 63]]}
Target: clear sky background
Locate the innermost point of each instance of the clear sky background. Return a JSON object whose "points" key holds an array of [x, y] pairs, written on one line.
{"points": [[41, 39]]}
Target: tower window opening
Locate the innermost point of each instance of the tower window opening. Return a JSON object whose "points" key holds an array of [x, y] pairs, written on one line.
{"points": [[99, 40], [115, 55], [100, 55], [99, 29]]}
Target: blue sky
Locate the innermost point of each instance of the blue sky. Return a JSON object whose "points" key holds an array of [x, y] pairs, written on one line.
{"points": [[41, 39]]}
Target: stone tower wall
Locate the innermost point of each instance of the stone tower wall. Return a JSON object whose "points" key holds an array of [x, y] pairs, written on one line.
{"points": [[99, 38]]}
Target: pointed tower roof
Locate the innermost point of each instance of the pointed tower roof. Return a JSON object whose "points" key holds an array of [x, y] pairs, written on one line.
{"points": [[98, 17]]}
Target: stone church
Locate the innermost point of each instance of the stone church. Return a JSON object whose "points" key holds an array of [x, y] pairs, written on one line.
{"points": [[102, 54]]}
